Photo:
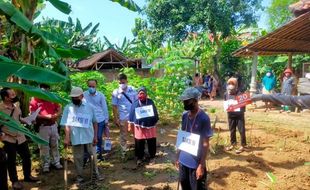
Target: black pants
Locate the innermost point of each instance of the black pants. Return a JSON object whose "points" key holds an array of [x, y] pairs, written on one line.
{"points": [[140, 144], [3, 170], [188, 181], [235, 122], [23, 150]]}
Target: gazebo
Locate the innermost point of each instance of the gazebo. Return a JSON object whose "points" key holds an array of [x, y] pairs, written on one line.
{"points": [[108, 59], [292, 38]]}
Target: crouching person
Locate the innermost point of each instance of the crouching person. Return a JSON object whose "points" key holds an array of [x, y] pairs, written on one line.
{"points": [[192, 152], [80, 131], [143, 117]]}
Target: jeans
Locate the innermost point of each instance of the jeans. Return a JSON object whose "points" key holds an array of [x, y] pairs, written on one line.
{"points": [[139, 147], [23, 150], [101, 128], [188, 181], [3, 170]]}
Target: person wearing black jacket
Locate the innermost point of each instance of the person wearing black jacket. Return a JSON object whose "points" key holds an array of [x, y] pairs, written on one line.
{"points": [[235, 118]]}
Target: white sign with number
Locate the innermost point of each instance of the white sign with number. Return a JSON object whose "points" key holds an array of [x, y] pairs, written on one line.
{"points": [[107, 144], [231, 102], [78, 120], [144, 112], [188, 142]]}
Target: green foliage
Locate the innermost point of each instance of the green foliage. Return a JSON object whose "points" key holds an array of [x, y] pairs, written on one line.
{"points": [[129, 4], [279, 13]]}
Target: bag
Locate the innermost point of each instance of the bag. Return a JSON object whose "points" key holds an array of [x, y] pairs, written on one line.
{"points": [[107, 144], [126, 96]]}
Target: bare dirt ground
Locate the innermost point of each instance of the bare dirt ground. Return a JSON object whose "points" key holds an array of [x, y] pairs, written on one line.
{"points": [[278, 143]]}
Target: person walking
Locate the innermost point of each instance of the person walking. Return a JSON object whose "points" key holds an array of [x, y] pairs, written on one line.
{"points": [[15, 142], [143, 117], [122, 99], [81, 128], [48, 130], [98, 101], [192, 168]]}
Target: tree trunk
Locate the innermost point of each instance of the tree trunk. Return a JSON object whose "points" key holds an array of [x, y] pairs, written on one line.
{"points": [[216, 60]]}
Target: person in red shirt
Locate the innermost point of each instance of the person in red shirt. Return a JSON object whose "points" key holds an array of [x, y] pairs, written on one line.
{"points": [[48, 129]]}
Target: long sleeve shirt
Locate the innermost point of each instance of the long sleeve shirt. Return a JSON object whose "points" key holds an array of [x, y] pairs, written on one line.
{"points": [[99, 103]]}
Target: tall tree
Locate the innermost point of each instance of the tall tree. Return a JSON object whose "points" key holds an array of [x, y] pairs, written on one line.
{"points": [[279, 13]]}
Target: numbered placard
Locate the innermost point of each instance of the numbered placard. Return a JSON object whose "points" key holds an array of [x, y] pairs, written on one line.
{"points": [[78, 120], [144, 112], [188, 142]]}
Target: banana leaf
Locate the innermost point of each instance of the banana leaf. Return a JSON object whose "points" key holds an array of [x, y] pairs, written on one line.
{"points": [[29, 72], [61, 6], [129, 4], [13, 126], [35, 92]]}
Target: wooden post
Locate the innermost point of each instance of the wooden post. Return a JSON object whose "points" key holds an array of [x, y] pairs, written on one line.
{"points": [[254, 73], [290, 60]]}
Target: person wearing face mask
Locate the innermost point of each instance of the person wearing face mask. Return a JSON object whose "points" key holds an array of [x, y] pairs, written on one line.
{"points": [[122, 99], [99, 103], [80, 123], [192, 168], [143, 117], [269, 83], [15, 142], [235, 118], [287, 86], [48, 130]]}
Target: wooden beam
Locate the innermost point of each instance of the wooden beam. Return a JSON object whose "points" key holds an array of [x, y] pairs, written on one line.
{"points": [[290, 60], [253, 74]]}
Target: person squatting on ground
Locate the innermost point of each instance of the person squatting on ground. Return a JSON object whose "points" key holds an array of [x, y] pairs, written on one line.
{"points": [[15, 142], [96, 99], [192, 169], [122, 99], [143, 117], [48, 130], [235, 118], [3, 165], [268, 85], [287, 86], [81, 128]]}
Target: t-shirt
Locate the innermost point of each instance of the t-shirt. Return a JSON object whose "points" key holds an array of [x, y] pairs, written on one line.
{"points": [[46, 107], [201, 127]]}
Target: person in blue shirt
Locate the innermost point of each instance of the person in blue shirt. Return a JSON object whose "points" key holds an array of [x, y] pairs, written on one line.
{"points": [[81, 128], [192, 169], [268, 83], [122, 99], [98, 101]]}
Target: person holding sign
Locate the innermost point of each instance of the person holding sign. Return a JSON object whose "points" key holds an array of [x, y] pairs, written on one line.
{"points": [[193, 142], [48, 129], [143, 117], [81, 128], [122, 99], [235, 117]]}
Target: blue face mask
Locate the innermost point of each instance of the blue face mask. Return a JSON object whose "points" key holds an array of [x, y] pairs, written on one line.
{"points": [[92, 90]]}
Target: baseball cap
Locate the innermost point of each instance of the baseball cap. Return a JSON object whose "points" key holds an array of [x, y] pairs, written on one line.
{"points": [[76, 92], [190, 93]]}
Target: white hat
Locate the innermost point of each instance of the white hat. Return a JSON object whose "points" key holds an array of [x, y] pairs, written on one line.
{"points": [[76, 92]]}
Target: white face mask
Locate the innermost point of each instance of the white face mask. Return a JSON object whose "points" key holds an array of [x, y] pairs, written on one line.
{"points": [[268, 74], [230, 87], [123, 86]]}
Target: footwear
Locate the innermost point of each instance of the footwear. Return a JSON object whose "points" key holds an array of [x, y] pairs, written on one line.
{"points": [[152, 161], [139, 162], [241, 149], [58, 166], [79, 180], [229, 148], [99, 177], [46, 169], [17, 186], [31, 179]]}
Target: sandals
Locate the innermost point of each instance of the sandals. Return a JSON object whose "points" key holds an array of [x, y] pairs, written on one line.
{"points": [[230, 148], [240, 150]]}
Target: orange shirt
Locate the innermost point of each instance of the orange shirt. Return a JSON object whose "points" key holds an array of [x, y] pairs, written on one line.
{"points": [[45, 106]]}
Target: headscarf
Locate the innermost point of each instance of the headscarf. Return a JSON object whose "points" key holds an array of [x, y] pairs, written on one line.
{"points": [[269, 82]]}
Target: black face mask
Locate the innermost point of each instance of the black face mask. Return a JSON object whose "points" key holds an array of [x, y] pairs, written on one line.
{"points": [[189, 106], [15, 99], [76, 102]]}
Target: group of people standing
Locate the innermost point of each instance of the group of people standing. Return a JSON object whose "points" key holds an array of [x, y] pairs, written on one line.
{"points": [[269, 82], [208, 85]]}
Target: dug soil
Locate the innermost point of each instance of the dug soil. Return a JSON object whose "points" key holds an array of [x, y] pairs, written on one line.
{"points": [[277, 157]]}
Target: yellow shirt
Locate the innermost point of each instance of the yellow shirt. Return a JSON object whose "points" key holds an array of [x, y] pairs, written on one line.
{"points": [[10, 136]]}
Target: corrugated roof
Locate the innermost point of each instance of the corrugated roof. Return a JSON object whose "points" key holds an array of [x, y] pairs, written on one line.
{"points": [[293, 37]]}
